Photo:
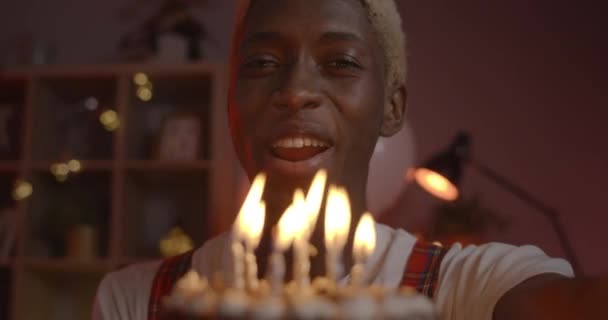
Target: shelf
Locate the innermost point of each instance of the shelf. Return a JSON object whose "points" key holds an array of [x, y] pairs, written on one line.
{"points": [[66, 265], [9, 166], [6, 263], [101, 70], [87, 165], [159, 165], [131, 188]]}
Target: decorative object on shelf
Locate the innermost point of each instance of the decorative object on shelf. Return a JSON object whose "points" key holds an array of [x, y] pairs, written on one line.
{"points": [[175, 243], [171, 33], [8, 231], [441, 175], [180, 137], [81, 242], [465, 220], [70, 220]]}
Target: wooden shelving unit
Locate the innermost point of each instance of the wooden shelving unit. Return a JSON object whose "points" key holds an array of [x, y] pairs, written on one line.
{"points": [[130, 197]]}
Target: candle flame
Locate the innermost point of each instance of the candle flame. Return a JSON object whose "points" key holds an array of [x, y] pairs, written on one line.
{"points": [[314, 198], [365, 237], [337, 218], [292, 223], [250, 221], [285, 230], [300, 214]]}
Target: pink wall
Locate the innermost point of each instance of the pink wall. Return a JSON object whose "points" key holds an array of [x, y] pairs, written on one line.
{"points": [[526, 78]]}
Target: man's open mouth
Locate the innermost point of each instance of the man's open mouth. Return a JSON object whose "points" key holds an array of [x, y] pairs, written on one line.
{"points": [[299, 148]]}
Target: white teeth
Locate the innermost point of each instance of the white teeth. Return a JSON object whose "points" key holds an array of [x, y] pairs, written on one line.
{"points": [[299, 143]]}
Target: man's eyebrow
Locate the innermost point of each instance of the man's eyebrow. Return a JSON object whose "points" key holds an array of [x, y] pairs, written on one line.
{"points": [[262, 36], [341, 36]]}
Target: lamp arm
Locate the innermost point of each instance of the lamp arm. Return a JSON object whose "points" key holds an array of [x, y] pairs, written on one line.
{"points": [[548, 211]]}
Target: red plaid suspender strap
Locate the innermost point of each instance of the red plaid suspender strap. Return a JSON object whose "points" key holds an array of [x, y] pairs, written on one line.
{"points": [[422, 271], [168, 273]]}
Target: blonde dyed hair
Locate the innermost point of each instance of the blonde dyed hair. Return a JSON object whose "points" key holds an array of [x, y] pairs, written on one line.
{"points": [[384, 18]]}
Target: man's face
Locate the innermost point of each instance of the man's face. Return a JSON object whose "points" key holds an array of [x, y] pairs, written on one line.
{"points": [[309, 92]]}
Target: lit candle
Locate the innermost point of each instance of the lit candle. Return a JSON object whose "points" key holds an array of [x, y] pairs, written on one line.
{"points": [[285, 232], [301, 264], [248, 228], [337, 224], [314, 198], [252, 240], [364, 244]]}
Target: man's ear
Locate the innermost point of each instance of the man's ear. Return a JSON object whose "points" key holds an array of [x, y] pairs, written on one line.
{"points": [[394, 112]]}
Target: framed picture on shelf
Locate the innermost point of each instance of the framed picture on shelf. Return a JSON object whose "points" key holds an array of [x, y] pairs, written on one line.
{"points": [[179, 137]]}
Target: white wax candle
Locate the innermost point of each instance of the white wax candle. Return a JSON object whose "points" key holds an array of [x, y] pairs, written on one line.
{"points": [[248, 228], [356, 275], [301, 265], [238, 280], [283, 238], [252, 270], [277, 272]]}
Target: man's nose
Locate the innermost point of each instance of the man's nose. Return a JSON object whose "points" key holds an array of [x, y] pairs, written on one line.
{"points": [[299, 87]]}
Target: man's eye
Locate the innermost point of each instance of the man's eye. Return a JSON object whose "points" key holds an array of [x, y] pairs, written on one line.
{"points": [[344, 64], [261, 64]]}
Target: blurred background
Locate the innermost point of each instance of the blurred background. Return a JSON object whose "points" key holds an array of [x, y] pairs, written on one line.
{"points": [[114, 146]]}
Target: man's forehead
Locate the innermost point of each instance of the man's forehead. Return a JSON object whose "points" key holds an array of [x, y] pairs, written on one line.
{"points": [[327, 36], [265, 14], [325, 20]]}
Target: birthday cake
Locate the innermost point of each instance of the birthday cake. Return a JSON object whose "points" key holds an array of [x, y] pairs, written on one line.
{"points": [[194, 298], [247, 297]]}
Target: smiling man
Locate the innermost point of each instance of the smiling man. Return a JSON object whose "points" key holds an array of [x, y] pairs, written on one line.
{"points": [[314, 84]]}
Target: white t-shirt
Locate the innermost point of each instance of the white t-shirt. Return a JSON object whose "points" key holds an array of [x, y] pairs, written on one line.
{"points": [[471, 279]]}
